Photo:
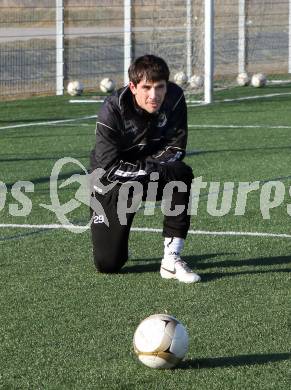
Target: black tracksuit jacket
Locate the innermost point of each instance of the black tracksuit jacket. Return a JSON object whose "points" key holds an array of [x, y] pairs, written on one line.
{"points": [[131, 143]]}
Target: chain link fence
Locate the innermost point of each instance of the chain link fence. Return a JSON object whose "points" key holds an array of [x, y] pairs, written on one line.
{"points": [[94, 40]]}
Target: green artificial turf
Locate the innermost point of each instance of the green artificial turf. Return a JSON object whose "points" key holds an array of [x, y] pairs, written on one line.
{"points": [[64, 326]]}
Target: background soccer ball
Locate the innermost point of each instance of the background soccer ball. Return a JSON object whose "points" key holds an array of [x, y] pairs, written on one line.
{"points": [[75, 88], [259, 80], [107, 85], [196, 81], [181, 78], [243, 79], [160, 341]]}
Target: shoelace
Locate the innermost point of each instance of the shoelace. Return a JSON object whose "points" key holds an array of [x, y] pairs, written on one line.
{"points": [[182, 264]]}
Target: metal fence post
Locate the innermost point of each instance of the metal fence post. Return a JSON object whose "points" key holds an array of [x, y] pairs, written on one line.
{"points": [[289, 59], [242, 36], [189, 37], [127, 38], [59, 47], [209, 50]]}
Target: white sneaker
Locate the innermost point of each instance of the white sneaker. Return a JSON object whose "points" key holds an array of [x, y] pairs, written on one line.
{"points": [[178, 269]]}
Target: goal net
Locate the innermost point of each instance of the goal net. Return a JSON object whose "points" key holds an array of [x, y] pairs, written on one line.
{"points": [[250, 36]]}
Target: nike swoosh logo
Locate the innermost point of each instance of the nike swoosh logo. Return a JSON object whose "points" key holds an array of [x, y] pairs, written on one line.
{"points": [[171, 272]]}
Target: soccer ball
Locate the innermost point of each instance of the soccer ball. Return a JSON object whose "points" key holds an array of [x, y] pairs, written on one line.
{"points": [[196, 81], [107, 85], [259, 80], [181, 78], [160, 341], [75, 88], [243, 79]]}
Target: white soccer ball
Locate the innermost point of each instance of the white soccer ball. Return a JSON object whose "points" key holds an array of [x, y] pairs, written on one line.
{"points": [[107, 85], [181, 78], [243, 79], [259, 80], [75, 88], [160, 341], [196, 81]]}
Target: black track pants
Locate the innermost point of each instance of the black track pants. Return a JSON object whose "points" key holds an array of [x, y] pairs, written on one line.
{"points": [[110, 243]]}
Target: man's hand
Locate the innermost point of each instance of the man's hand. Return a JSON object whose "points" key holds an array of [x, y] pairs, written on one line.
{"points": [[176, 170]]}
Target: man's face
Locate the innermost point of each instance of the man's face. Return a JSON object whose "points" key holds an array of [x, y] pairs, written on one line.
{"points": [[149, 95]]}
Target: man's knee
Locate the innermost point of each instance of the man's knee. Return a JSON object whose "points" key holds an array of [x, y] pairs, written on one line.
{"points": [[107, 268], [109, 264]]}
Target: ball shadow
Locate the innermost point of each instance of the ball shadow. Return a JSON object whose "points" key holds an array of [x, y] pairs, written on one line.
{"points": [[233, 361]]}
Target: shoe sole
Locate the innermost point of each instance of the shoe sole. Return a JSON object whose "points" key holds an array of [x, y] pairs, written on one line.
{"points": [[170, 275]]}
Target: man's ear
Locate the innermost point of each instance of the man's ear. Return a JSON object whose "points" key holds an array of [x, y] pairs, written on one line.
{"points": [[132, 87]]}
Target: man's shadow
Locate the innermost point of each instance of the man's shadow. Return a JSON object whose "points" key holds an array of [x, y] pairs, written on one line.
{"points": [[153, 265], [233, 361], [198, 263]]}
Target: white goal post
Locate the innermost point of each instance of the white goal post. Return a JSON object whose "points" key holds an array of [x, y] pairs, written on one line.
{"points": [[242, 36], [208, 50]]}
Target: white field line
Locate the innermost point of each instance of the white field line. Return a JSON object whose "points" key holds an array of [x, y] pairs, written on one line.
{"points": [[151, 230], [194, 103], [86, 101], [240, 126], [220, 233], [270, 95], [278, 81], [77, 124], [193, 126], [47, 122]]}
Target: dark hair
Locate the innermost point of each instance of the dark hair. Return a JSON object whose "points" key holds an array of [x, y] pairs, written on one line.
{"points": [[150, 67]]}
